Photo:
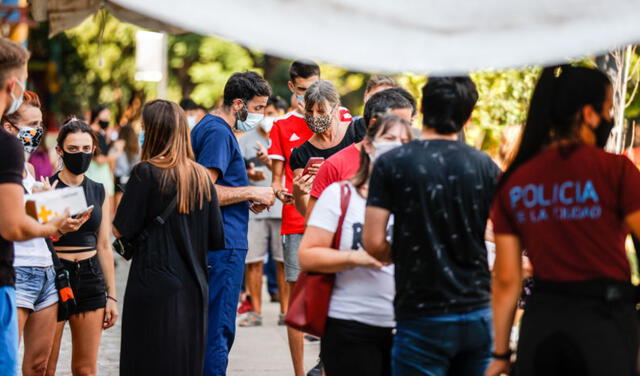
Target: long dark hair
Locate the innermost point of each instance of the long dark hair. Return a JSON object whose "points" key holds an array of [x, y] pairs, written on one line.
{"points": [[167, 145], [381, 126], [131, 144], [555, 109]]}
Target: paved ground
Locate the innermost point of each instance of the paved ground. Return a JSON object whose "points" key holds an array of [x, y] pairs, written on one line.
{"points": [[257, 351]]}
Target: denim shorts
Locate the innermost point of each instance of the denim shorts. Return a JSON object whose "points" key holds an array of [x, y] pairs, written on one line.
{"points": [[290, 245], [35, 287]]}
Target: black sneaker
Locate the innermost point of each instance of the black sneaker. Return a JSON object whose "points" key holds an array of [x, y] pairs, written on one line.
{"points": [[317, 370]]}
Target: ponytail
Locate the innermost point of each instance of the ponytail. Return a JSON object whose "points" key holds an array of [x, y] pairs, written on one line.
{"points": [[555, 111]]}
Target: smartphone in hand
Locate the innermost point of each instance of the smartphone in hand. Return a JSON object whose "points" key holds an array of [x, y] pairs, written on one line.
{"points": [[86, 212], [313, 161]]}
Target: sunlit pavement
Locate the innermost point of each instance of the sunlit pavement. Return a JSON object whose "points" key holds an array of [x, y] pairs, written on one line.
{"points": [[257, 351]]}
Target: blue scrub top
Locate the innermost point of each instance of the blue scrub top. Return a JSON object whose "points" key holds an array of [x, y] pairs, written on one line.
{"points": [[215, 146]]}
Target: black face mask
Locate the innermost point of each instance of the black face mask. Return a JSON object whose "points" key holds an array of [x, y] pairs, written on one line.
{"points": [[77, 163], [603, 131], [103, 124]]}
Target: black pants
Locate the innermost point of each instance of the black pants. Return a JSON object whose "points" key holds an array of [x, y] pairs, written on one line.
{"points": [[564, 334], [351, 348]]}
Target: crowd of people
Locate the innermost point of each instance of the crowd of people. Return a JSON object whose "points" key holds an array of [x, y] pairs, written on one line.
{"points": [[428, 238]]}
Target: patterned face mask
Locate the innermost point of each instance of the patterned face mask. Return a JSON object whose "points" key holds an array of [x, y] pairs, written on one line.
{"points": [[30, 137], [319, 124]]}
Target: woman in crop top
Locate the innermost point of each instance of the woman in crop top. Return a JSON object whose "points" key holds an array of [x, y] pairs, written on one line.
{"points": [[85, 254], [36, 294]]}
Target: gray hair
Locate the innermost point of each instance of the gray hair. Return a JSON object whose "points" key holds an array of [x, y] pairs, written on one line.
{"points": [[319, 92]]}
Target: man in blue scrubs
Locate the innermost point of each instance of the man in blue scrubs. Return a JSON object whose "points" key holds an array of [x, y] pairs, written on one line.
{"points": [[216, 148]]}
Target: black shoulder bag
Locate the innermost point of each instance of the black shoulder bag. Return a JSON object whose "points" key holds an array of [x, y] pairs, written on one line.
{"points": [[66, 299], [126, 247]]}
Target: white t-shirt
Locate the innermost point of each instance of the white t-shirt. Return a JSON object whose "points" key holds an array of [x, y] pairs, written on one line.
{"points": [[34, 252], [360, 294]]}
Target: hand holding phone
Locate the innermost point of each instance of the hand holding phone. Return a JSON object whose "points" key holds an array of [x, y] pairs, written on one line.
{"points": [[86, 213], [313, 164]]}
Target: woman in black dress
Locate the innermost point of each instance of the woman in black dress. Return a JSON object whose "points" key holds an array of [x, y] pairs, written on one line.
{"points": [[165, 302]]}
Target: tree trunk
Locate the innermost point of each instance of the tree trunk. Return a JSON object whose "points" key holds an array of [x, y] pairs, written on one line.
{"points": [[616, 65]]}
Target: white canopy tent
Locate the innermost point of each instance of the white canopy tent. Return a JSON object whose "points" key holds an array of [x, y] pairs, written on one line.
{"points": [[420, 36]]}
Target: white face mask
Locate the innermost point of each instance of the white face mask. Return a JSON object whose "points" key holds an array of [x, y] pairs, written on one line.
{"points": [[383, 147], [267, 123], [250, 122], [17, 102], [191, 120]]}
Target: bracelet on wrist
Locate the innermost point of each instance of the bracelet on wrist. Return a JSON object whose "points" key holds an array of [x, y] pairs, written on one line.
{"points": [[112, 298], [60, 232], [502, 356]]}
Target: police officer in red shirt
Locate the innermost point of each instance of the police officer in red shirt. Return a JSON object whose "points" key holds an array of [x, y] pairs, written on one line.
{"points": [[571, 205]]}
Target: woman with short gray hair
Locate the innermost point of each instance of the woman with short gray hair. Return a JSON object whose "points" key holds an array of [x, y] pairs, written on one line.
{"points": [[330, 135]]}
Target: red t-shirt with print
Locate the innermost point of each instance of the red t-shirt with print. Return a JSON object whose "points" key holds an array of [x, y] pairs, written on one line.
{"points": [[288, 133], [339, 167], [567, 205]]}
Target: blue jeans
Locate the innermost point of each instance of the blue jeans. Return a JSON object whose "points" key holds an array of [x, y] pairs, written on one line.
{"points": [[457, 344], [8, 331], [226, 271]]}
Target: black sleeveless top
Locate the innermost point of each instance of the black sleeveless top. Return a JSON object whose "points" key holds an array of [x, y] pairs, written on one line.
{"points": [[87, 235]]}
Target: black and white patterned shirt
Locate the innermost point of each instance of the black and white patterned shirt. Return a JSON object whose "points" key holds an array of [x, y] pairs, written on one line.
{"points": [[440, 193]]}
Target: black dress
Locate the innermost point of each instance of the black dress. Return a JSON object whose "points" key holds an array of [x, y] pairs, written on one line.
{"points": [[165, 302]]}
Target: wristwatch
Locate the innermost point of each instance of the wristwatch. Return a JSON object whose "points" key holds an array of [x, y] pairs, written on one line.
{"points": [[502, 356]]}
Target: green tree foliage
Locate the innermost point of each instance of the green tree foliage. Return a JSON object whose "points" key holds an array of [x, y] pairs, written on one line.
{"points": [[503, 100], [200, 65]]}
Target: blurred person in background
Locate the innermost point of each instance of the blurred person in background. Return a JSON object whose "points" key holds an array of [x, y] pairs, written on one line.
{"points": [[126, 151], [264, 228], [164, 314], [375, 84], [85, 255], [102, 166], [194, 112]]}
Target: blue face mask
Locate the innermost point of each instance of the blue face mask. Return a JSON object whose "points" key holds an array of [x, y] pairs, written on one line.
{"points": [[300, 98], [250, 122], [141, 138]]}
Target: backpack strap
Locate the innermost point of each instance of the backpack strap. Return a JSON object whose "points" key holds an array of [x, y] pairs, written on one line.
{"points": [[345, 198]]}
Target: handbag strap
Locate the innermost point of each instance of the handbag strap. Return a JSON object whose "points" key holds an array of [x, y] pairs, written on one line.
{"points": [[160, 219], [57, 265], [345, 198]]}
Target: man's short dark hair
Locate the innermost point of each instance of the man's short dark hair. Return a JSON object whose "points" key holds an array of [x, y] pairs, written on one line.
{"points": [[447, 103], [12, 56], [382, 102], [303, 69], [408, 97], [245, 86], [188, 104], [278, 103]]}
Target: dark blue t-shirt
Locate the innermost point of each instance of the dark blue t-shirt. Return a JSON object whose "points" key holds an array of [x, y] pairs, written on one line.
{"points": [[215, 146]]}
